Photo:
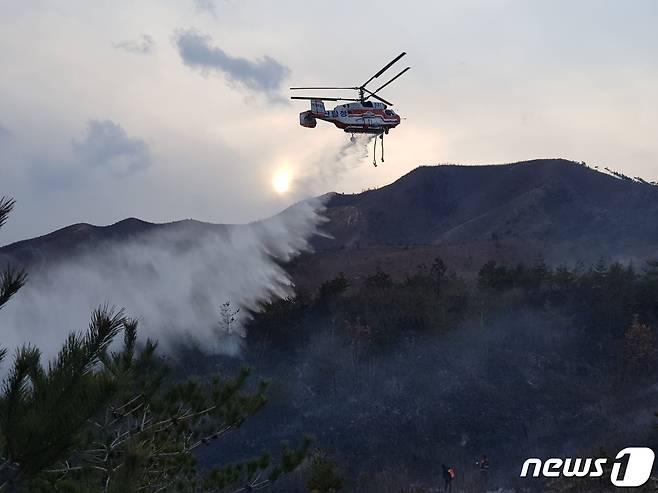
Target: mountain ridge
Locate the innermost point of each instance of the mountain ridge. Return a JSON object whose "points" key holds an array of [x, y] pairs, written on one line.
{"points": [[559, 209], [544, 202]]}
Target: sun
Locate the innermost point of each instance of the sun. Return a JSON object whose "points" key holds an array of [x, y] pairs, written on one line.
{"points": [[281, 180]]}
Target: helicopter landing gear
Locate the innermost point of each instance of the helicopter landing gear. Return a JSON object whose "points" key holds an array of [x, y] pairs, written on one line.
{"points": [[352, 138], [381, 137], [374, 150]]}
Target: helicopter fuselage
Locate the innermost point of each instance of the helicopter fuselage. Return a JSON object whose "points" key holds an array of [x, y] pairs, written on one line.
{"points": [[360, 117]]}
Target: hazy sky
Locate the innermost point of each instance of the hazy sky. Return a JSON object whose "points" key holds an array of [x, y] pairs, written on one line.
{"points": [[165, 110]]}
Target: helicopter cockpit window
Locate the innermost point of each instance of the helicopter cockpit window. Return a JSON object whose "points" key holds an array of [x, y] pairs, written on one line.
{"points": [[388, 112], [367, 104]]}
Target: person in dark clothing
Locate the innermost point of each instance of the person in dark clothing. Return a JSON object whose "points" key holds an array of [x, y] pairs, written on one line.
{"points": [[483, 464], [448, 476]]}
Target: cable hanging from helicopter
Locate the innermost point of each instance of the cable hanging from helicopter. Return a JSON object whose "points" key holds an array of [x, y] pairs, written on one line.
{"points": [[359, 116]]}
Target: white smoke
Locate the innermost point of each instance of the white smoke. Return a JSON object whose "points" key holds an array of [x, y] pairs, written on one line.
{"points": [[323, 173], [174, 281]]}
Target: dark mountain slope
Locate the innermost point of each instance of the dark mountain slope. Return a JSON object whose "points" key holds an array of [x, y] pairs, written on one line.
{"points": [[553, 207]]}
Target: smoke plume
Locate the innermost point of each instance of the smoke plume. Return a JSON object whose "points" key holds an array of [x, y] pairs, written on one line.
{"points": [[173, 278], [323, 173]]}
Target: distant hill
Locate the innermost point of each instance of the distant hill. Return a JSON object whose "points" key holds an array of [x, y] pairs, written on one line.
{"points": [[561, 210], [77, 239], [551, 207]]}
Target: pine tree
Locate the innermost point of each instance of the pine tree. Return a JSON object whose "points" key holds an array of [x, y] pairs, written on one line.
{"points": [[11, 280], [112, 421]]}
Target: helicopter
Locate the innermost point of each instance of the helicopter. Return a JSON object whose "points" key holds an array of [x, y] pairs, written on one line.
{"points": [[358, 117]]}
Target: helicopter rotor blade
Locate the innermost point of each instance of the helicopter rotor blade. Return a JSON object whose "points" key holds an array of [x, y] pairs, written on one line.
{"points": [[297, 88], [373, 95], [385, 68], [323, 99], [382, 87], [381, 99]]}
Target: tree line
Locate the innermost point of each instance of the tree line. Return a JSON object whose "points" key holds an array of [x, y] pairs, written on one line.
{"points": [[614, 304]]}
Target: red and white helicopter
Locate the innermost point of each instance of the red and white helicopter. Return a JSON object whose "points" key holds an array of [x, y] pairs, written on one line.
{"points": [[359, 117]]}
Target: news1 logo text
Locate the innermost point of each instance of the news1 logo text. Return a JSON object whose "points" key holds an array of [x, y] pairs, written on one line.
{"points": [[631, 467]]}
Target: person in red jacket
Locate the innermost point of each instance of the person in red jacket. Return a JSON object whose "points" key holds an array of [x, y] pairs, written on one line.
{"points": [[448, 475]]}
